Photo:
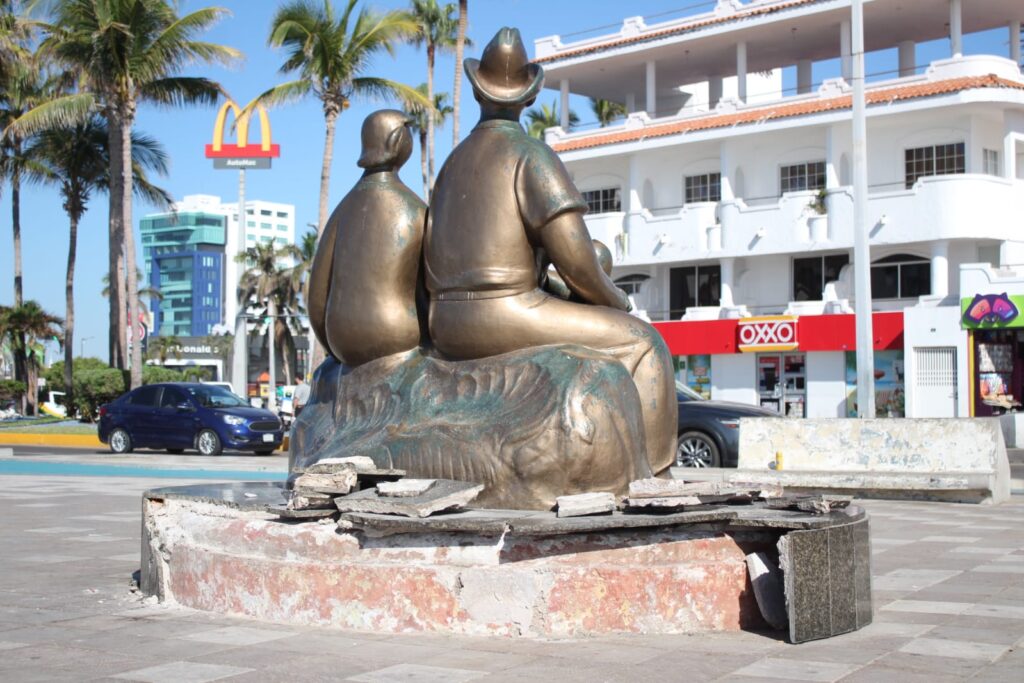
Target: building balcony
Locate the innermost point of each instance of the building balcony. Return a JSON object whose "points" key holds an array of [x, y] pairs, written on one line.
{"points": [[963, 206]]}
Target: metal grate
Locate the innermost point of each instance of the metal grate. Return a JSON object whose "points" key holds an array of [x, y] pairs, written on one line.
{"points": [[936, 367], [265, 426]]}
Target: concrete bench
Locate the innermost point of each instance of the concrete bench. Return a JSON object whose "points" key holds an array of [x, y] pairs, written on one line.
{"points": [[957, 459]]}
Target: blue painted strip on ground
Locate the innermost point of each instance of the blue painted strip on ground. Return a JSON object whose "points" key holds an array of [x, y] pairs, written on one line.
{"points": [[92, 470]]}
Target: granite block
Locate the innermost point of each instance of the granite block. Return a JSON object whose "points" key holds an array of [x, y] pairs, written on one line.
{"points": [[843, 608]]}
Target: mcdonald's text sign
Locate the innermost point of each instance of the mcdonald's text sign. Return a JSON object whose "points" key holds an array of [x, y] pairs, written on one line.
{"points": [[242, 154], [767, 333]]}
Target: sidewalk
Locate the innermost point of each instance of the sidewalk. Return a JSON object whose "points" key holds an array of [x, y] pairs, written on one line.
{"points": [[949, 601]]}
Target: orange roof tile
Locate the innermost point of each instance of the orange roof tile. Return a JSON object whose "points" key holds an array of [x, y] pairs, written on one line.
{"points": [[675, 30], [782, 111]]}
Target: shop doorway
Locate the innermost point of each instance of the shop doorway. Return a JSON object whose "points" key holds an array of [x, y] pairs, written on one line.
{"points": [[935, 381], [782, 383]]}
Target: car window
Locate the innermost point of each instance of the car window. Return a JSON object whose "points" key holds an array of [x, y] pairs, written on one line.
{"points": [[144, 396], [172, 397], [210, 396], [685, 393]]}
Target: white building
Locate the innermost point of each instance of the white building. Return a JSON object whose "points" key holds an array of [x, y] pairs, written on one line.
{"points": [[729, 207]]}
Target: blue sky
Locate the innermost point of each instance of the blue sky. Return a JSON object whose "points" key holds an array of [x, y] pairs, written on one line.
{"points": [[298, 128]]}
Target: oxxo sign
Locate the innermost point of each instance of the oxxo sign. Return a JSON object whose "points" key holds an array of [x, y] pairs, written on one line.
{"points": [[768, 333]]}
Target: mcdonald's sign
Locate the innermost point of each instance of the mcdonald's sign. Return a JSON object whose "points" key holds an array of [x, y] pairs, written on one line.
{"points": [[241, 154]]}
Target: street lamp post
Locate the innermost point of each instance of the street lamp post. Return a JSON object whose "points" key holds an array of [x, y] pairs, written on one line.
{"points": [[81, 346]]}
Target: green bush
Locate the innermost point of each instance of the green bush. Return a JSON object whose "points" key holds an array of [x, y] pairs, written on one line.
{"points": [[95, 387], [11, 389]]}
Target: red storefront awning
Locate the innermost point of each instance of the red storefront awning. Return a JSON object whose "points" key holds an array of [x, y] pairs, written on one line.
{"points": [[814, 333]]}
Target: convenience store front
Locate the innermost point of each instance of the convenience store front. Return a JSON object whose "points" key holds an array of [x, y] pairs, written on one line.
{"points": [[798, 366]]}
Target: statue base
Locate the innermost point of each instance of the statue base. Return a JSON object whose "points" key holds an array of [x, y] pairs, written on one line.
{"points": [[508, 573]]}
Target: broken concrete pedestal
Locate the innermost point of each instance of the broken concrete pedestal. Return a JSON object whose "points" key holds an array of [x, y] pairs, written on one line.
{"points": [[218, 547]]}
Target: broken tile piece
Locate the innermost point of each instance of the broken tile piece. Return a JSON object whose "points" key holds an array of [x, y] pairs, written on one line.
{"points": [[766, 578], [445, 494], [337, 482], [668, 488], [582, 504], [299, 501], [405, 488], [361, 463]]}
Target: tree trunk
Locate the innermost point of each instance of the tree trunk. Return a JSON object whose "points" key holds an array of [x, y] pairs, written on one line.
{"points": [[460, 44], [272, 370], [116, 285], [20, 358], [282, 343], [423, 164], [330, 121], [69, 314], [130, 268], [430, 117]]}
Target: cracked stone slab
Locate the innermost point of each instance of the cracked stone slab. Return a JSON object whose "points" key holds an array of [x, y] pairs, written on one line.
{"points": [[336, 482], [405, 488], [581, 504], [445, 494]]}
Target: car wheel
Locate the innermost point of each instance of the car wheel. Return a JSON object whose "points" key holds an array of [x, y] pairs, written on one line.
{"points": [[120, 441], [264, 451], [208, 443], [697, 449], [176, 451]]}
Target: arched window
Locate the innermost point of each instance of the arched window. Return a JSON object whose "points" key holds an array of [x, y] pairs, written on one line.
{"points": [[632, 284], [901, 276]]}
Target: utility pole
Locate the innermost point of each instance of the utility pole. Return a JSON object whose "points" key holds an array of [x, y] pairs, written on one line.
{"points": [[240, 353], [861, 248]]}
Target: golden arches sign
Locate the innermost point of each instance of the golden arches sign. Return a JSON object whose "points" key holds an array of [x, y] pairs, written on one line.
{"points": [[219, 149]]}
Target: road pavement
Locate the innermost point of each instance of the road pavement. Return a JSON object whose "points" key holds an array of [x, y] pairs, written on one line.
{"points": [[948, 599]]}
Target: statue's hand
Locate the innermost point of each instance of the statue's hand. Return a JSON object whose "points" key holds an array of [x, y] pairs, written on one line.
{"points": [[624, 304]]}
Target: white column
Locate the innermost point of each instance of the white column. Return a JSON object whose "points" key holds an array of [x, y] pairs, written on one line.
{"points": [[563, 113], [630, 103], [652, 90], [714, 91], [741, 71], [862, 252], [728, 274], [803, 76], [956, 31], [725, 167], [940, 268], [633, 203], [1015, 42], [833, 153], [845, 59], [908, 57]]}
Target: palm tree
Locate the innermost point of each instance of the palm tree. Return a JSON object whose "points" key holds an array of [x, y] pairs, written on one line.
{"points": [[330, 54], [437, 30], [26, 327], [546, 117], [77, 157], [460, 43], [420, 116], [307, 252], [607, 111], [270, 286], [146, 290], [126, 52], [163, 346]]}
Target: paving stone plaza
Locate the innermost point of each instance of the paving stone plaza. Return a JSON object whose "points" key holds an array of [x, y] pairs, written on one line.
{"points": [[948, 590]]}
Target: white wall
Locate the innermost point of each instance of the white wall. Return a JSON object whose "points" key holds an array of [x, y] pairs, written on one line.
{"points": [[733, 378], [927, 326], [826, 383]]}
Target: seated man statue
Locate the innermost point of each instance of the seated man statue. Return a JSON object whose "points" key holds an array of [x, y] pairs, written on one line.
{"points": [[500, 198], [365, 288]]}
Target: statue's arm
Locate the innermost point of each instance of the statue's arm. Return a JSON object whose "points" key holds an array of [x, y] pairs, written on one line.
{"points": [[320, 282], [570, 249]]}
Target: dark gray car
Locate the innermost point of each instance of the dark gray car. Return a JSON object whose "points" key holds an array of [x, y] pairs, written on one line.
{"points": [[709, 430]]}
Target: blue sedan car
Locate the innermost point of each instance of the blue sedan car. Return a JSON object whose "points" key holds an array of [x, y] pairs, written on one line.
{"points": [[177, 416]]}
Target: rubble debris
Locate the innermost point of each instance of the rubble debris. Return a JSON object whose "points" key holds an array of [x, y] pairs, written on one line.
{"points": [[582, 504], [444, 495], [299, 501], [815, 504], [675, 493], [337, 482], [360, 463], [766, 578], [405, 488]]}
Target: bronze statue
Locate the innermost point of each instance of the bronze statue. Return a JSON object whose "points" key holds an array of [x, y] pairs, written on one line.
{"points": [[365, 288], [500, 198]]}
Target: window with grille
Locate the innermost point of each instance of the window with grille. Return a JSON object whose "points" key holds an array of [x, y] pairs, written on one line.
{"points": [[706, 187], [901, 276], [810, 275], [803, 176], [631, 284], [604, 200], [990, 162], [933, 160]]}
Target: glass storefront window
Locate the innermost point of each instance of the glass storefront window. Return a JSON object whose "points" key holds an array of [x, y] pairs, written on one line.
{"points": [[890, 397], [695, 372]]}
